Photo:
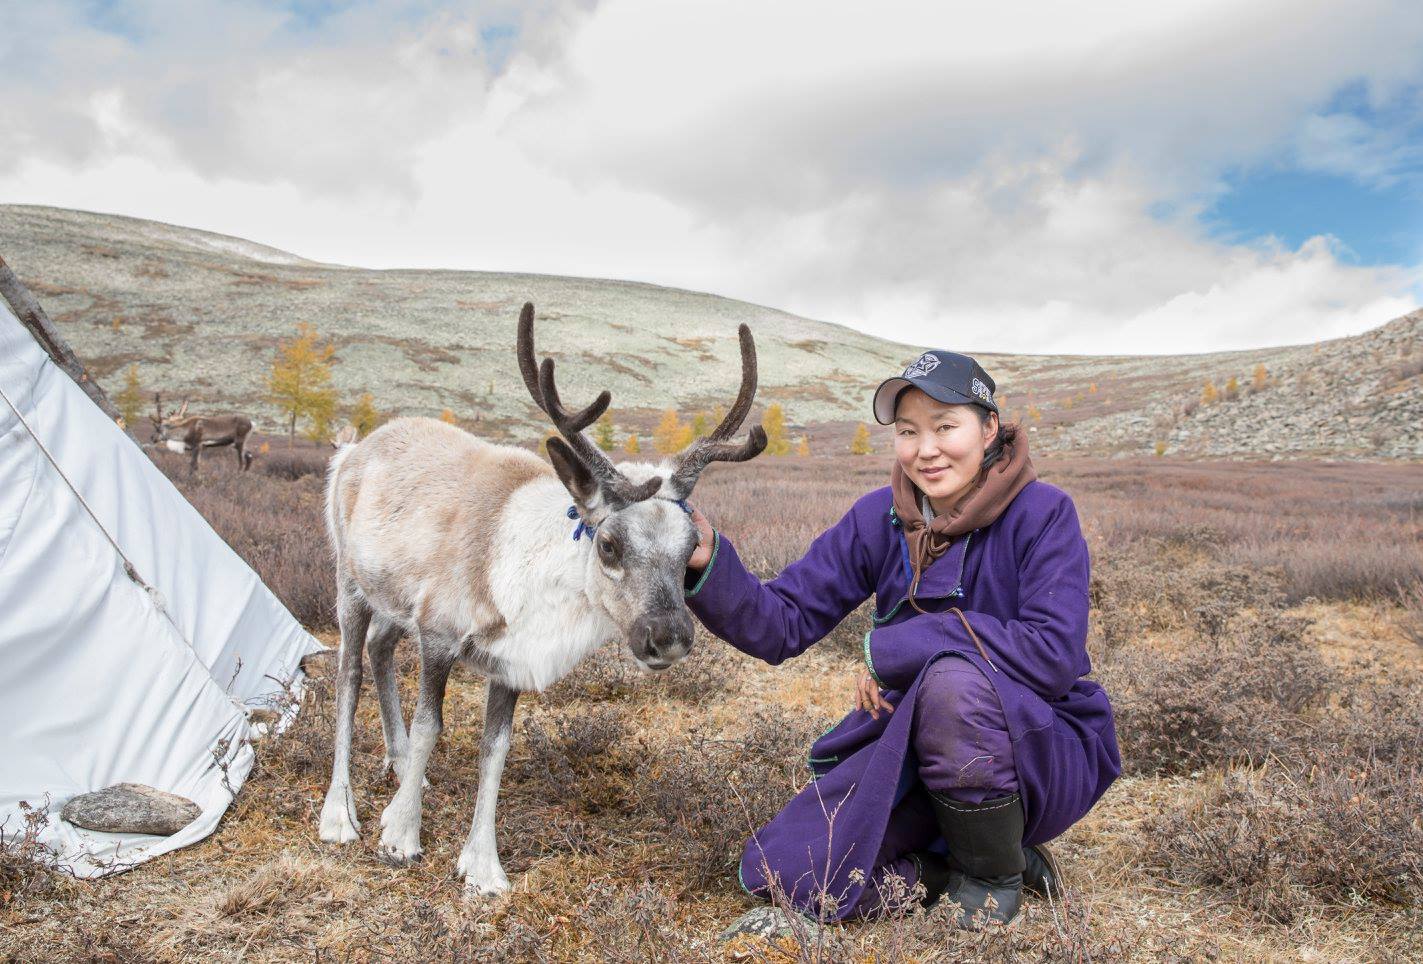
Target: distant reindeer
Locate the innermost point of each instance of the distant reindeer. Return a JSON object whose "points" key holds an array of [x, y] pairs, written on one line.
{"points": [[474, 550], [191, 434], [346, 437]]}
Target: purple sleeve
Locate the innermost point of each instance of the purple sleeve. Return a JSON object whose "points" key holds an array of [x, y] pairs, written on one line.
{"points": [[1044, 648], [778, 619]]}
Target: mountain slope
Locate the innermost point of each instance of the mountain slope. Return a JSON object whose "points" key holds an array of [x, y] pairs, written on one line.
{"points": [[200, 314]]}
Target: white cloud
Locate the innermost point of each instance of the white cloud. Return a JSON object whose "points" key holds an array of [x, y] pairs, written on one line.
{"points": [[957, 174], [1348, 146]]}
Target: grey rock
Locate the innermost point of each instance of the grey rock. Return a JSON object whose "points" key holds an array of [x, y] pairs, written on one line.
{"points": [[131, 808], [770, 923]]}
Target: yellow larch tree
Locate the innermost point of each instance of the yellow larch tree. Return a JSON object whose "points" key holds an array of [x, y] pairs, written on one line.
{"points": [[860, 444], [670, 434], [130, 400], [803, 446], [603, 432], [299, 383], [774, 422], [365, 418]]}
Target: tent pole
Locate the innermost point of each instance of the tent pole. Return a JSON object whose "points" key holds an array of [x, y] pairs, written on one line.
{"points": [[33, 317]]}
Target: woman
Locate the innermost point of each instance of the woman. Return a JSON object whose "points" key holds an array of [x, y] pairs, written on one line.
{"points": [[975, 736]]}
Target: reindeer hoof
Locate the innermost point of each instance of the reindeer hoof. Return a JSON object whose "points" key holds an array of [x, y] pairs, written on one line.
{"points": [[338, 817], [400, 840], [398, 857], [485, 889], [483, 877]]}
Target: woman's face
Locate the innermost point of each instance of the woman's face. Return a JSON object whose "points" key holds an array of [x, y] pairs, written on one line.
{"points": [[940, 447]]}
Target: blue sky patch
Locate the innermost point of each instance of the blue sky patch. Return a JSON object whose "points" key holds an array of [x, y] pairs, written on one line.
{"points": [[1354, 170], [1376, 225]]}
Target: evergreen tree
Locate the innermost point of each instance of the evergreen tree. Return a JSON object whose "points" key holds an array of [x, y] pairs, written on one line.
{"points": [[299, 383]]}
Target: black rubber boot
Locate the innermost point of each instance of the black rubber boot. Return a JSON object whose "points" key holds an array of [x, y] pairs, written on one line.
{"points": [[985, 842], [1041, 875], [934, 874]]}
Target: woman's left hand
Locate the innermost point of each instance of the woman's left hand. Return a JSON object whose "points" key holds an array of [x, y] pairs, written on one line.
{"points": [[867, 696]]}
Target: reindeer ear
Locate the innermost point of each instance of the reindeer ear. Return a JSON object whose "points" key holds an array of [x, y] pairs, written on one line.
{"points": [[575, 476]]}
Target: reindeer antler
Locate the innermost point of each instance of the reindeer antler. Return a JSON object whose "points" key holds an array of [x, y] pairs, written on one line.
{"points": [[539, 379], [714, 447]]}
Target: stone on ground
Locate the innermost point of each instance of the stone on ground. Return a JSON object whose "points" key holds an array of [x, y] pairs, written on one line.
{"points": [[131, 808]]}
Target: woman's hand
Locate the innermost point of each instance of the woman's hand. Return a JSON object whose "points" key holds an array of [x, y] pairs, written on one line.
{"points": [[701, 555], [867, 696]]}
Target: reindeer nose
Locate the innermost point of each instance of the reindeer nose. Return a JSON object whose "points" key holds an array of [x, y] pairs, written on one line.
{"points": [[662, 639]]}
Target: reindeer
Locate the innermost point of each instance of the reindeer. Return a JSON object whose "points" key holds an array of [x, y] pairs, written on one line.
{"points": [[347, 437], [474, 550], [193, 433]]}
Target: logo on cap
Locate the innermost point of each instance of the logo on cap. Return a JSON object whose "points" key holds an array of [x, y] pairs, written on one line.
{"points": [[926, 363], [981, 390]]}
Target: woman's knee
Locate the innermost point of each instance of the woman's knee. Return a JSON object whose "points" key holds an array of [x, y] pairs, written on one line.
{"points": [[955, 685], [956, 702]]}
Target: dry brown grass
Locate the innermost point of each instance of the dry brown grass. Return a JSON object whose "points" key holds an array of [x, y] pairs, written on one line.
{"points": [[1274, 750]]}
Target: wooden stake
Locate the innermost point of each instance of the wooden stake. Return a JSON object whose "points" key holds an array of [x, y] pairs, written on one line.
{"points": [[32, 316]]}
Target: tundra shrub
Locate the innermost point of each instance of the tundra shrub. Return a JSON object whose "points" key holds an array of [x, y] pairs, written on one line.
{"points": [[1279, 840], [1245, 695], [713, 791], [275, 524], [296, 463]]}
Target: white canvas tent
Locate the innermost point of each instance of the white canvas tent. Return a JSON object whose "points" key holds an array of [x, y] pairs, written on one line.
{"points": [[133, 640]]}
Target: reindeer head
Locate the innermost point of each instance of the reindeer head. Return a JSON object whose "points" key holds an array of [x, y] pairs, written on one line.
{"points": [[349, 435], [162, 421], [641, 531]]}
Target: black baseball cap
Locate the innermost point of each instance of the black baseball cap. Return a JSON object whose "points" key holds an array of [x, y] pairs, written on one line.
{"points": [[946, 376]]}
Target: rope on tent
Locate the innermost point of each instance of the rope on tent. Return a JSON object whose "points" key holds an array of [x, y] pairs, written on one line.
{"points": [[129, 569]]}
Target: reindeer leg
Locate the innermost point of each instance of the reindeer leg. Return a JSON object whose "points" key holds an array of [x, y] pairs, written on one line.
{"points": [[400, 840], [338, 813], [384, 637], [479, 860], [237, 447]]}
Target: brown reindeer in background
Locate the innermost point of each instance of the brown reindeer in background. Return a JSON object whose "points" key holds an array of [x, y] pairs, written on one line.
{"points": [[191, 434]]}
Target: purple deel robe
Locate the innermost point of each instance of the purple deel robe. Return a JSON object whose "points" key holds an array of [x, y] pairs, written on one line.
{"points": [[1022, 584]]}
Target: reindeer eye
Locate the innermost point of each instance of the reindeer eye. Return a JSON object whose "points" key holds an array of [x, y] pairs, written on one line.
{"points": [[608, 550]]}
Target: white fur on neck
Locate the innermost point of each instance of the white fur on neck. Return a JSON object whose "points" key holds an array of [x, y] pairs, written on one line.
{"points": [[541, 581]]}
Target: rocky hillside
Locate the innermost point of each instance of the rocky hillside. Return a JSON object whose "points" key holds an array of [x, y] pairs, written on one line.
{"points": [[200, 315]]}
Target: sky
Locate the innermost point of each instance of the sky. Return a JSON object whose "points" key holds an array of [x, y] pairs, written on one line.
{"points": [[1104, 178]]}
